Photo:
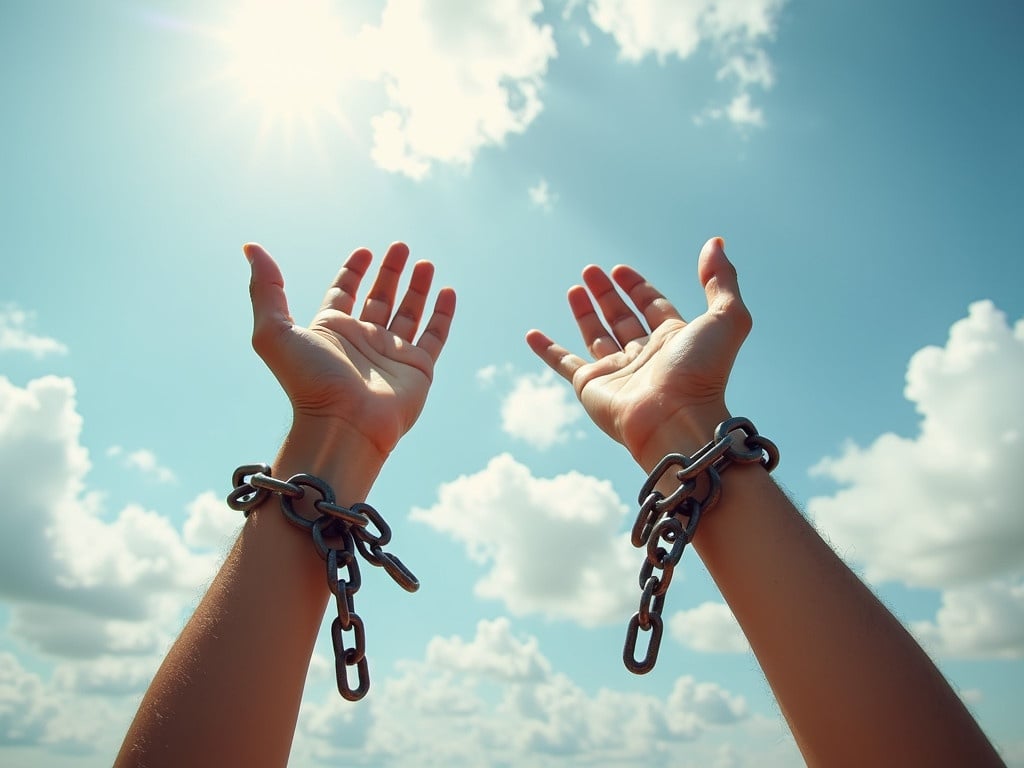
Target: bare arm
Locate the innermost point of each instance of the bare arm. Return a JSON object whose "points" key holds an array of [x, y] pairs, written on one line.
{"points": [[228, 692], [854, 686]]}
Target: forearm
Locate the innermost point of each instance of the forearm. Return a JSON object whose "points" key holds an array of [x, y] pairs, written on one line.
{"points": [[854, 686], [229, 690]]}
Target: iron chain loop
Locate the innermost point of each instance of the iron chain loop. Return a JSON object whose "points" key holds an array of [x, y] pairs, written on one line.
{"points": [[672, 520], [339, 533]]}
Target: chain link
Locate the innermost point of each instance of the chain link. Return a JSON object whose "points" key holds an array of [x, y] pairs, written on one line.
{"points": [[665, 525], [339, 533]]}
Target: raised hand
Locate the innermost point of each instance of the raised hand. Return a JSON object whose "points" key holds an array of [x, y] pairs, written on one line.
{"points": [[655, 378], [365, 372]]}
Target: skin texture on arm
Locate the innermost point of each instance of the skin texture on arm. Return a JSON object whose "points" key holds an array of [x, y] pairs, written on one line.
{"points": [[854, 686], [229, 690]]}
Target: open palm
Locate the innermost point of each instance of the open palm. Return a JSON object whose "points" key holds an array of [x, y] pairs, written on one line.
{"points": [[643, 381], [365, 371]]}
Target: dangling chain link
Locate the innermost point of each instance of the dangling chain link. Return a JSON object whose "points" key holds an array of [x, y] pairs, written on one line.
{"points": [[339, 533], [673, 519]]}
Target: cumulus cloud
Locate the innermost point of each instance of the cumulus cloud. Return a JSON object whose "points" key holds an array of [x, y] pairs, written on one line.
{"points": [[491, 713], [734, 30], [981, 621], [521, 527], [458, 78], [942, 509], [495, 652], [710, 627], [80, 585], [539, 410], [16, 336], [210, 523], [34, 712]]}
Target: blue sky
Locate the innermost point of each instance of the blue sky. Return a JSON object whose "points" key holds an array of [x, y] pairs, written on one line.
{"points": [[863, 162]]}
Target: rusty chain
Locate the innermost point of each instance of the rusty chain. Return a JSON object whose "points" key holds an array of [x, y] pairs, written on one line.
{"points": [[672, 520], [339, 534]]}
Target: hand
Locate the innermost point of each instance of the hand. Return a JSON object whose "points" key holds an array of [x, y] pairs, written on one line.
{"points": [[365, 373], [652, 390]]}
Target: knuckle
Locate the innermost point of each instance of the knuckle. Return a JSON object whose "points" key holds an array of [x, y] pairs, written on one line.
{"points": [[264, 337], [736, 313]]}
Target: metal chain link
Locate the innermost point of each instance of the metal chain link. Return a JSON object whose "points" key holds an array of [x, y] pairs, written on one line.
{"points": [[665, 525], [339, 533]]}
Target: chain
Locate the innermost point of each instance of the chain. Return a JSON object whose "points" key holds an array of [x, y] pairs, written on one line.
{"points": [[339, 534], [665, 525]]}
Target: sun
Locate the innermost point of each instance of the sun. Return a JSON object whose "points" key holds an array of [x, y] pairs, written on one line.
{"points": [[289, 60]]}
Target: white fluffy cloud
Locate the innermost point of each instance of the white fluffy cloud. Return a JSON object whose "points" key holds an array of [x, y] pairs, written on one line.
{"points": [[458, 77], [550, 543], [981, 621], [473, 708], [495, 652], [710, 627], [539, 410], [15, 335], [80, 585], [942, 509], [210, 524], [735, 31], [33, 712]]}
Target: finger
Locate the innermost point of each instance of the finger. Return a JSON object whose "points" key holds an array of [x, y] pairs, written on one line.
{"points": [[266, 289], [655, 308], [436, 333], [558, 358], [381, 298], [342, 293], [623, 322], [721, 285], [410, 311], [597, 338]]}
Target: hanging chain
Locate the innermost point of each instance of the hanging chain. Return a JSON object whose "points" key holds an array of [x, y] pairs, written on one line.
{"points": [[666, 524], [339, 534]]}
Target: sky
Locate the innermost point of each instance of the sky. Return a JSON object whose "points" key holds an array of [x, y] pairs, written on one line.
{"points": [[863, 161]]}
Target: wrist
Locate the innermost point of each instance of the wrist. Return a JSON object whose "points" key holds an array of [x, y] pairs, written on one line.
{"points": [[332, 449], [683, 432]]}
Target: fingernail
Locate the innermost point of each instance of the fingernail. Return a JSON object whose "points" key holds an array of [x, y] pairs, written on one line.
{"points": [[247, 254]]}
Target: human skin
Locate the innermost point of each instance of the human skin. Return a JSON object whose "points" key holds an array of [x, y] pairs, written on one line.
{"points": [[854, 686], [229, 690]]}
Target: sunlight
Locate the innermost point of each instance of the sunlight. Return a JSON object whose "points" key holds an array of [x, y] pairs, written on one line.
{"points": [[288, 59]]}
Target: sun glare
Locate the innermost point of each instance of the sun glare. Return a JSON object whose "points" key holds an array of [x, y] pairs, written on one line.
{"points": [[286, 58]]}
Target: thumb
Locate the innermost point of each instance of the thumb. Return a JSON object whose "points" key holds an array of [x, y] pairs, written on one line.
{"points": [[721, 284], [266, 289]]}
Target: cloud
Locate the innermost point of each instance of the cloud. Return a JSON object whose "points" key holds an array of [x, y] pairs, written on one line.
{"points": [[15, 335], [144, 461], [710, 627], [474, 707], [210, 523], [494, 653], [539, 410], [982, 621], [739, 111], [521, 527], [458, 78], [542, 197], [489, 374], [80, 585], [733, 29], [941, 510], [34, 712]]}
